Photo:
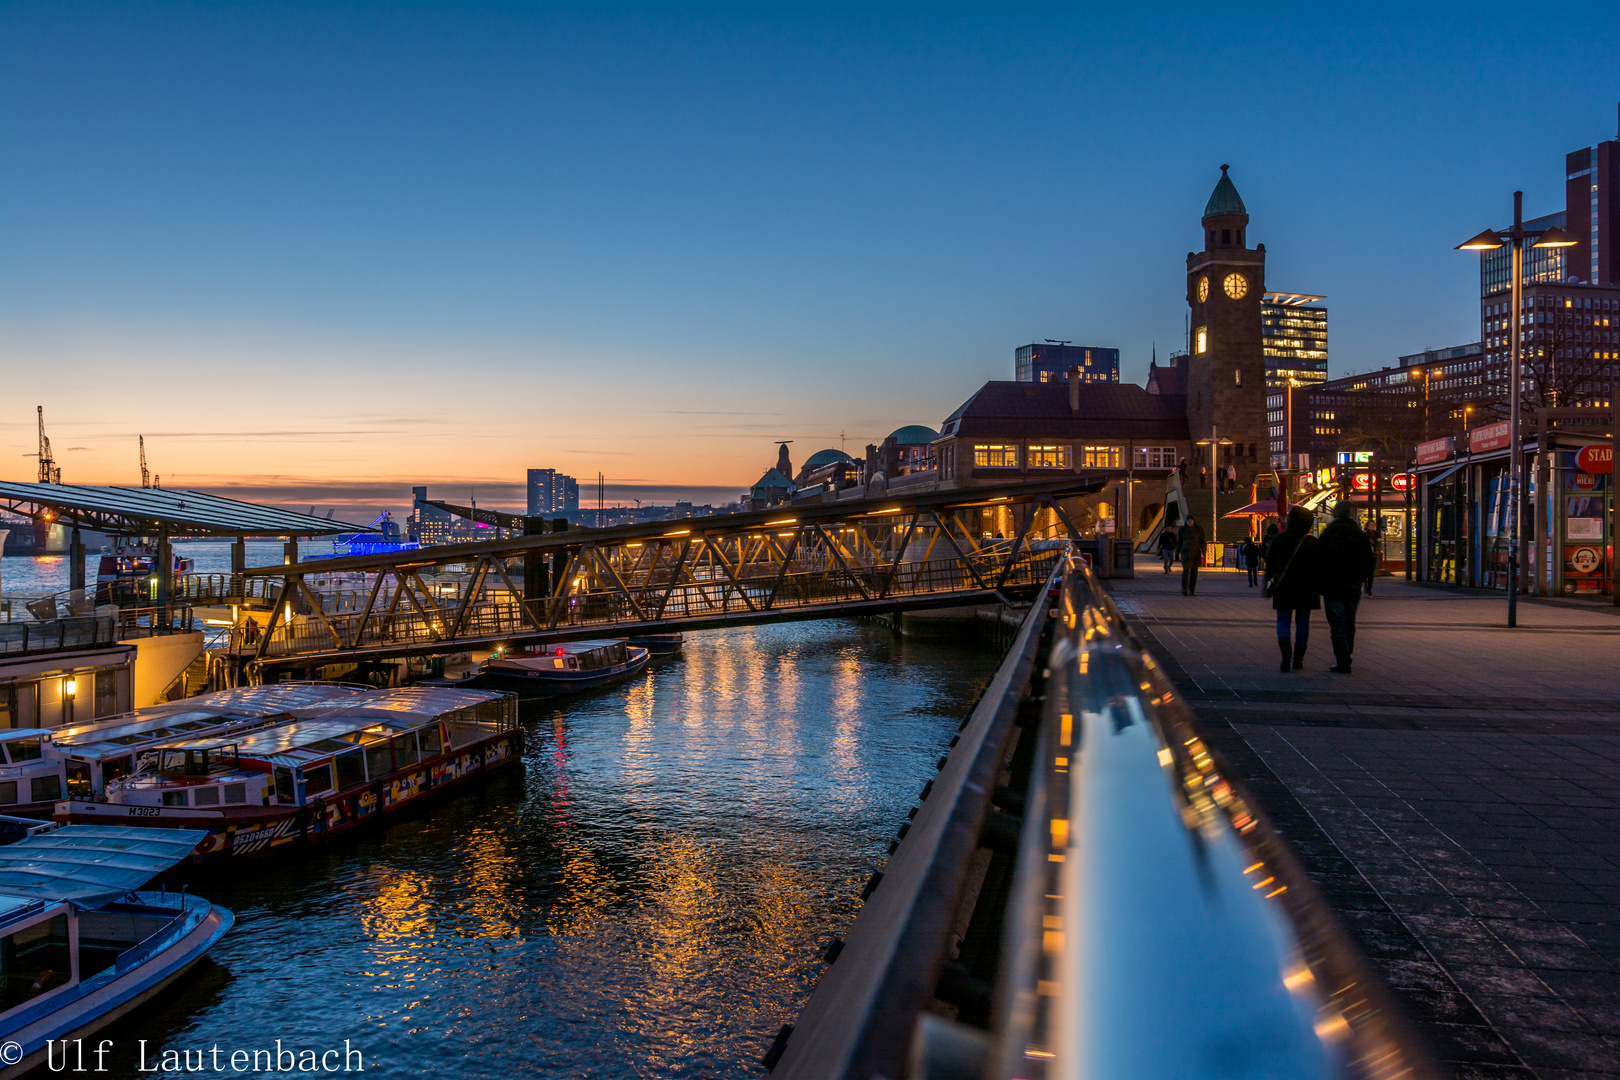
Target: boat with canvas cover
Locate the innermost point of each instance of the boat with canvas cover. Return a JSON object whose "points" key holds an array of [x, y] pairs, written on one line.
{"points": [[560, 669], [80, 946], [279, 787]]}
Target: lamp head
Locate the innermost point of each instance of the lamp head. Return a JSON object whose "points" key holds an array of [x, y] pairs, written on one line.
{"points": [[1555, 238], [1485, 241]]}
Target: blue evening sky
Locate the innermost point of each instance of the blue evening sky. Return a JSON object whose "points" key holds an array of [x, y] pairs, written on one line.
{"points": [[319, 252]]}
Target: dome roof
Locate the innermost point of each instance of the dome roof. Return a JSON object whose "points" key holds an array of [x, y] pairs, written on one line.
{"points": [[825, 457], [914, 435], [1224, 199]]}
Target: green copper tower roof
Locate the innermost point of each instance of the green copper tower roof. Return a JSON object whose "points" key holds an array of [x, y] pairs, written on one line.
{"points": [[1224, 199]]}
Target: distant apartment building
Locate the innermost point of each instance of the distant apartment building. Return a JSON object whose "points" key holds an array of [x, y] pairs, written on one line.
{"points": [[1294, 337], [1052, 362], [551, 492], [429, 525]]}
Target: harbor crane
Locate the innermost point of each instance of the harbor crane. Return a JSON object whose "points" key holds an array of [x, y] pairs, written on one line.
{"points": [[146, 476], [49, 472]]}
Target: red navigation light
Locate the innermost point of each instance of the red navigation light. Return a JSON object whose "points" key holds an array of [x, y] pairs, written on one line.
{"points": [[559, 650]]}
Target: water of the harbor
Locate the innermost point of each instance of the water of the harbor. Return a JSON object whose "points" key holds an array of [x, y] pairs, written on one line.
{"points": [[648, 898], [32, 576]]}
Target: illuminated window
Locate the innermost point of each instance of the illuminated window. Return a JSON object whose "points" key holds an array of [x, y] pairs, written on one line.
{"points": [[996, 456], [1049, 457], [1155, 457], [1201, 340], [1102, 457]]}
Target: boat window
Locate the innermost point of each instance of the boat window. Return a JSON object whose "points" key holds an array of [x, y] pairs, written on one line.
{"points": [[207, 796], [46, 788], [174, 798], [286, 792], [8, 793], [350, 770], [113, 768], [379, 762], [431, 739], [34, 961], [78, 779], [318, 778], [404, 750], [23, 750], [235, 794]]}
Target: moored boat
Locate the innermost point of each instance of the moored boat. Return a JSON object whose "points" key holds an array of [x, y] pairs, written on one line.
{"points": [[31, 775], [659, 646], [560, 669], [281, 786], [79, 947]]}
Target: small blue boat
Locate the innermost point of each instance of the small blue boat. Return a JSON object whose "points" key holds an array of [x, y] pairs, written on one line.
{"points": [[81, 946], [660, 646], [560, 669]]}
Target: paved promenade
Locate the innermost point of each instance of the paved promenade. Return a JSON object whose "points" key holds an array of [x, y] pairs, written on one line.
{"points": [[1457, 799]]}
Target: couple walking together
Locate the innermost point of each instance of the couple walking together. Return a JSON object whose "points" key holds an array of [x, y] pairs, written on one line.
{"points": [[1304, 572]]}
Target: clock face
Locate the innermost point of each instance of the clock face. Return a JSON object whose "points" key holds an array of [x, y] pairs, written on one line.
{"points": [[1236, 286], [1203, 288]]}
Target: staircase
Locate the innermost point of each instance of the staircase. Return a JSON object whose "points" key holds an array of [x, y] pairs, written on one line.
{"points": [[199, 677]]}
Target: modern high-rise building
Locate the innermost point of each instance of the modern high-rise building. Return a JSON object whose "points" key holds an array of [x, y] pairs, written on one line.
{"points": [[550, 492], [1052, 362], [1294, 328], [429, 525], [1592, 211]]}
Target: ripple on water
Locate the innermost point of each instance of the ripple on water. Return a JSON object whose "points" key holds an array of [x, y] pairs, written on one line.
{"points": [[649, 897]]}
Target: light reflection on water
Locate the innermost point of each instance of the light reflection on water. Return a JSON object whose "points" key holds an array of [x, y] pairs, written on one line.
{"points": [[649, 898]]}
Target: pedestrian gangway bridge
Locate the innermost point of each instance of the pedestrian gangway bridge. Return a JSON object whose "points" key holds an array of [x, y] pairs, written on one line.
{"points": [[810, 560]]}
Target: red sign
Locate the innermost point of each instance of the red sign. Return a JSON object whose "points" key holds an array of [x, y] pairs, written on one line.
{"points": [[1596, 459], [1490, 437], [1361, 481], [1434, 450], [1401, 481], [1585, 481]]}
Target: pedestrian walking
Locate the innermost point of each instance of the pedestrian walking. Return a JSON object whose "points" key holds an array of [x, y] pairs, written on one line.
{"points": [[1203, 477], [1251, 560], [1231, 478], [1167, 546], [1345, 561], [1190, 546], [1291, 582], [1373, 538]]}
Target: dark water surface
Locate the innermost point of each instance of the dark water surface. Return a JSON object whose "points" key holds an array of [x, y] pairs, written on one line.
{"points": [[649, 897]]}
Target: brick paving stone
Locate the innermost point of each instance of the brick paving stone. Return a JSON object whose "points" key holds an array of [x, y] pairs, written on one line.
{"points": [[1456, 800]]}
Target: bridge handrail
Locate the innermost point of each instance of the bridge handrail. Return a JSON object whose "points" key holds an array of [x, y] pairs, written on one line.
{"points": [[1156, 924]]}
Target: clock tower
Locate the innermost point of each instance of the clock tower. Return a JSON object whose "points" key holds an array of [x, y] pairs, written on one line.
{"points": [[1226, 367]]}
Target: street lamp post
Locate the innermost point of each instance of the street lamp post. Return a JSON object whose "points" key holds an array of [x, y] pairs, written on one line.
{"points": [[1491, 241], [1214, 442]]}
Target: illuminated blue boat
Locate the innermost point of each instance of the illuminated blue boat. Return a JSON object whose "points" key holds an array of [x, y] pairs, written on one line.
{"points": [[81, 947]]}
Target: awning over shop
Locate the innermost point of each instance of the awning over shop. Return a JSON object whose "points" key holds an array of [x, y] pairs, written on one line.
{"points": [[1447, 473]]}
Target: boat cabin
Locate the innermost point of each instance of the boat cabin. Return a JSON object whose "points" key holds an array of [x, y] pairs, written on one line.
{"points": [[28, 774], [577, 655], [339, 748]]}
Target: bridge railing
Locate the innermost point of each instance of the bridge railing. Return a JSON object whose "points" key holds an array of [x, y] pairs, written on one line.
{"points": [[1143, 919], [398, 619]]}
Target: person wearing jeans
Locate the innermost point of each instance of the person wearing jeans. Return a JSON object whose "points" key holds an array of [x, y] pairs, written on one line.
{"points": [[1292, 582], [1346, 562]]}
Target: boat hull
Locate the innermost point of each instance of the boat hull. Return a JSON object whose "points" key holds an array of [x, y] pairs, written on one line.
{"points": [[528, 685], [105, 1000], [236, 832]]}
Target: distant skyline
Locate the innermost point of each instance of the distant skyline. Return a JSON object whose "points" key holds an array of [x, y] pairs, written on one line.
{"points": [[317, 255]]}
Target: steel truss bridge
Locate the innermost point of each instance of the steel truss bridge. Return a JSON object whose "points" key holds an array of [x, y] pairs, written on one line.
{"points": [[806, 561]]}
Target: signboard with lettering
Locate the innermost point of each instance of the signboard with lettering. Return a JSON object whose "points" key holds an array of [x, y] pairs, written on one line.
{"points": [[1585, 481], [1402, 481], [1361, 481], [1490, 437], [1434, 450], [1597, 459]]}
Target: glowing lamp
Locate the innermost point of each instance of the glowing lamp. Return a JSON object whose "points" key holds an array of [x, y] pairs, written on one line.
{"points": [[1555, 238], [71, 687], [1485, 241]]}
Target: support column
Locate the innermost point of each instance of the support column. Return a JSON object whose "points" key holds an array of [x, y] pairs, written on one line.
{"points": [[289, 550], [165, 567], [76, 560], [239, 555], [536, 574]]}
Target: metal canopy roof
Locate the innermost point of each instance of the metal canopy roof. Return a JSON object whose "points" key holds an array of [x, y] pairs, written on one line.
{"points": [[148, 511], [91, 865]]}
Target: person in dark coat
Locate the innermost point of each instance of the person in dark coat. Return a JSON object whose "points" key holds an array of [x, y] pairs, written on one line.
{"points": [[1167, 546], [1190, 546], [1251, 560], [1373, 539], [1345, 560], [1291, 580]]}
